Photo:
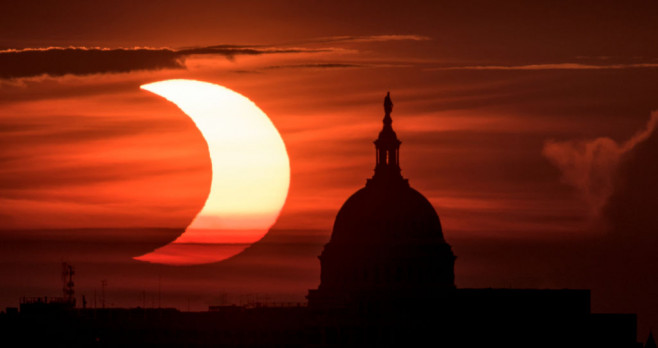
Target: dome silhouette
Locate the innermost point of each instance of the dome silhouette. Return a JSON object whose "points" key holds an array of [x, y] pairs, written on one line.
{"points": [[393, 215], [387, 243]]}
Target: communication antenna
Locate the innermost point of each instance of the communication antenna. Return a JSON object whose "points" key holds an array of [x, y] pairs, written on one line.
{"points": [[67, 282], [103, 285]]}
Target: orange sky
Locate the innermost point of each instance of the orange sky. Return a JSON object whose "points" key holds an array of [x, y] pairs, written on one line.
{"points": [[497, 105]]}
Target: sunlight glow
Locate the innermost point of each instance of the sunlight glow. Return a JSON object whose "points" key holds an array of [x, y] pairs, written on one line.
{"points": [[250, 165]]}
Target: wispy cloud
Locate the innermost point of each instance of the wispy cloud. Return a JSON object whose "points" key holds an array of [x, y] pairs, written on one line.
{"points": [[316, 66], [555, 66], [373, 38], [231, 51], [591, 166]]}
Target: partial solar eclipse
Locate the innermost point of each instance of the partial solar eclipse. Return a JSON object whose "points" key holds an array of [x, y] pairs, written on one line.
{"points": [[250, 173]]}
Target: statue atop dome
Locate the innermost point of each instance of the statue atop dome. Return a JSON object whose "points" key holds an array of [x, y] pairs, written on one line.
{"points": [[388, 104]]}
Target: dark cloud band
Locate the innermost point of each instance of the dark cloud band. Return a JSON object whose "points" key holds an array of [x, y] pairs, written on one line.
{"points": [[58, 61], [84, 61]]}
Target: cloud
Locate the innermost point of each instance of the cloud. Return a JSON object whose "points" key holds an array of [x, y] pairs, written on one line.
{"points": [[601, 168], [631, 207], [587, 166], [231, 51], [59, 61], [555, 66], [373, 38], [316, 66]]}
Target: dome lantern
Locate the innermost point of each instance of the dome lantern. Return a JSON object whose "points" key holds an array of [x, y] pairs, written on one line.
{"points": [[387, 149]]}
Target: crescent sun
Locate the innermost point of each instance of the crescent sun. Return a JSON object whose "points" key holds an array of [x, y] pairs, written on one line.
{"points": [[250, 173]]}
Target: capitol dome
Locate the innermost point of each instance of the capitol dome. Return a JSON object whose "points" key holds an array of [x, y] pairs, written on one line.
{"points": [[396, 214], [387, 243]]}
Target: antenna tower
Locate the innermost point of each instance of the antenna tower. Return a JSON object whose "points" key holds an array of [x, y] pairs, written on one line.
{"points": [[67, 282]]}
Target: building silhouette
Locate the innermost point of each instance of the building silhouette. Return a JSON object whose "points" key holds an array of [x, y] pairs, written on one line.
{"points": [[387, 240], [387, 280], [650, 343]]}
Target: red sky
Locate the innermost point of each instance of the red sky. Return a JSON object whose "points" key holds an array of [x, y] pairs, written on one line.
{"points": [[525, 125]]}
